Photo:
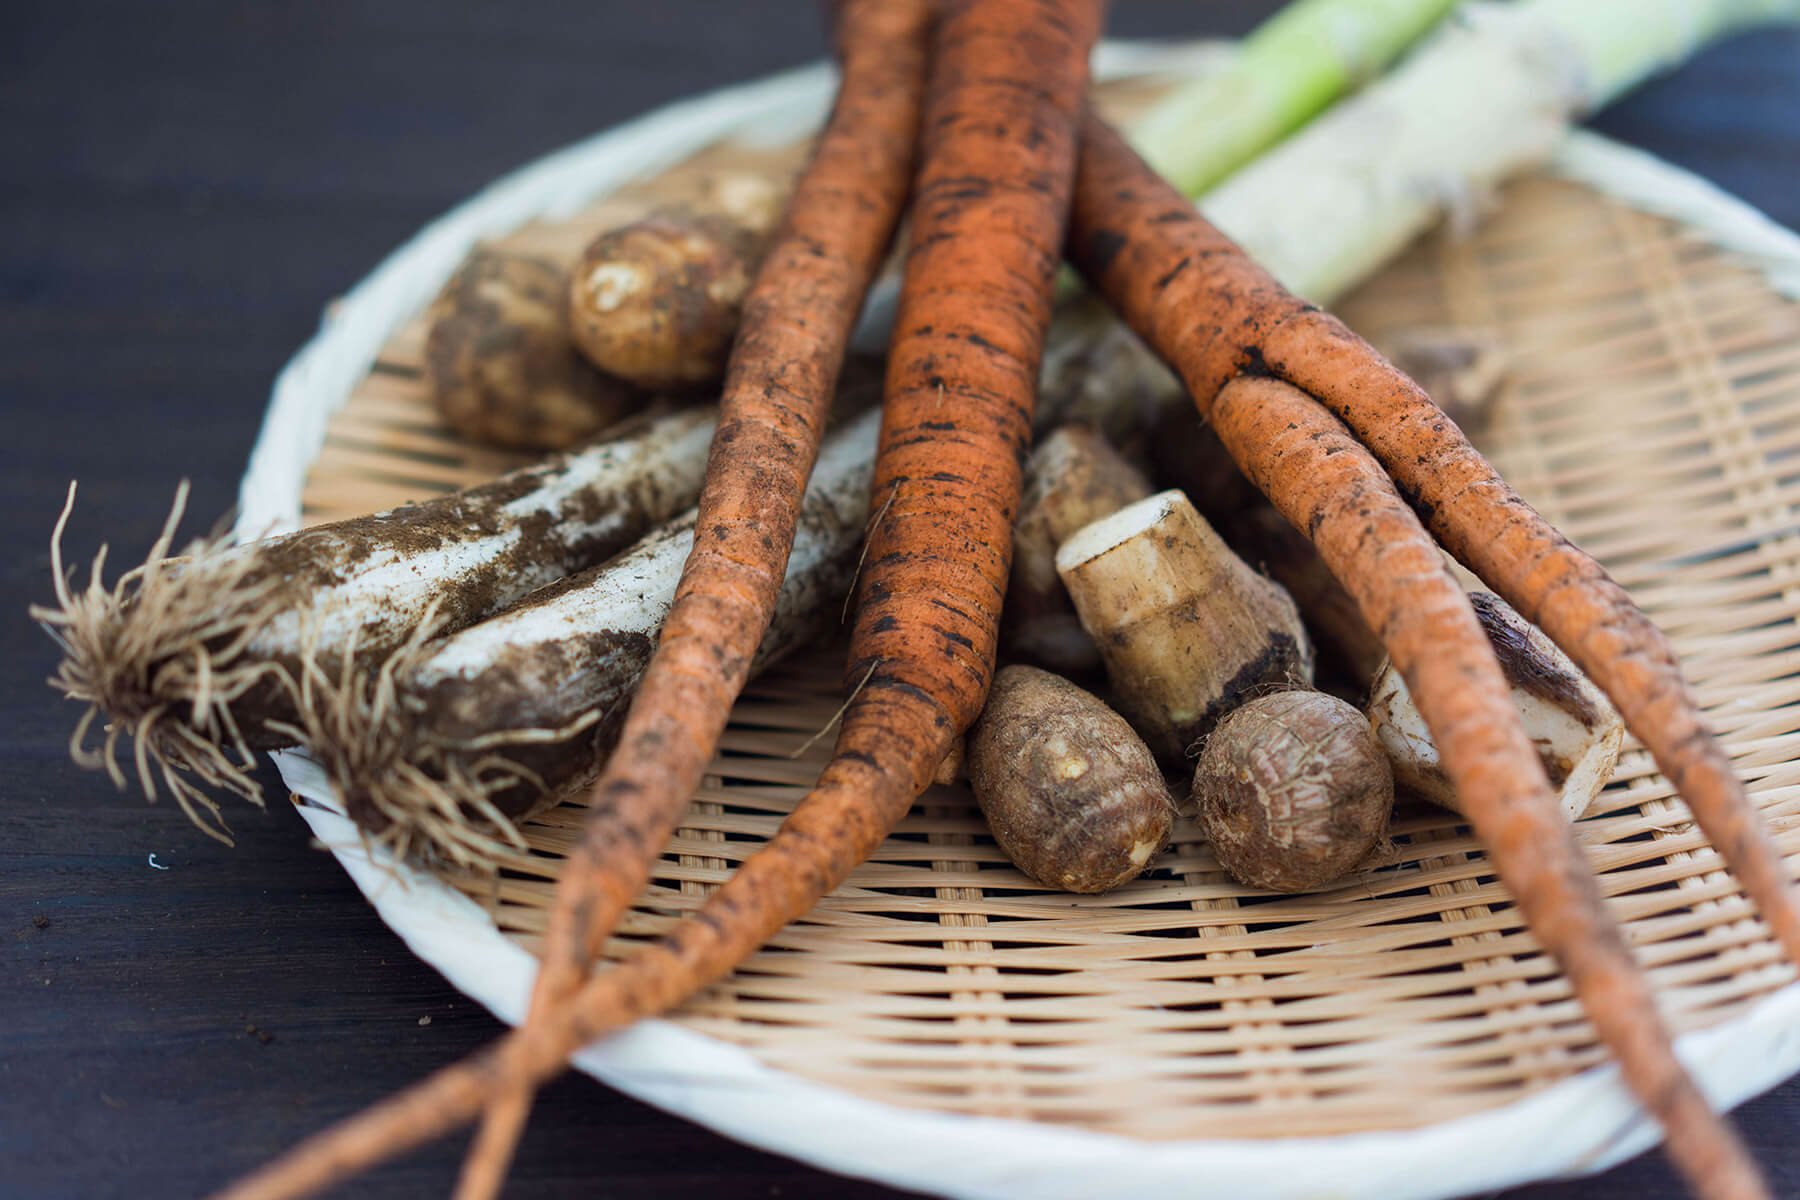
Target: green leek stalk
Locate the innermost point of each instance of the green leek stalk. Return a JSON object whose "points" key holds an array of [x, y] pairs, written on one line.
{"points": [[1292, 67], [1491, 93]]}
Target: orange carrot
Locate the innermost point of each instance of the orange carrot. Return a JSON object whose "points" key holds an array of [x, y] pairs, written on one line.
{"points": [[1212, 315], [1186, 280], [832, 830], [1367, 534], [791, 340], [988, 221], [1324, 480]]}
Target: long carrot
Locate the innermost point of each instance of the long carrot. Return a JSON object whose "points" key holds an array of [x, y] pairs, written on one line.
{"points": [[832, 830], [1325, 481], [1319, 476], [1182, 279], [988, 222], [1212, 314], [791, 340]]}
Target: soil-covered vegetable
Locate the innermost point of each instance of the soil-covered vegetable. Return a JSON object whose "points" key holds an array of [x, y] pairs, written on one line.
{"points": [[1293, 791], [198, 659], [1072, 794], [439, 752], [657, 301], [500, 365], [1576, 731], [1073, 477]]}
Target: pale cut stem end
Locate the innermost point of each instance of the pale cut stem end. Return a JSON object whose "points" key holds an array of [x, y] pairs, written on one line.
{"points": [[1186, 629]]}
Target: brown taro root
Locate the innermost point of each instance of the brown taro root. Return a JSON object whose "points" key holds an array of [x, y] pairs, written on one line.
{"points": [[1293, 791], [499, 363], [1577, 733], [1072, 478], [1071, 793], [1187, 631], [657, 302]]}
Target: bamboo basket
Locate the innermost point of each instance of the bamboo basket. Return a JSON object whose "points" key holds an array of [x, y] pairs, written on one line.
{"points": [[1399, 1035]]}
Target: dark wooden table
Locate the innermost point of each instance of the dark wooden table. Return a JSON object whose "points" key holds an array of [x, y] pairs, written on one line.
{"points": [[183, 188]]}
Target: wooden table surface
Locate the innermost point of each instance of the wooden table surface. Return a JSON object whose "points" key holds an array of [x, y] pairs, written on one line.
{"points": [[184, 188]]}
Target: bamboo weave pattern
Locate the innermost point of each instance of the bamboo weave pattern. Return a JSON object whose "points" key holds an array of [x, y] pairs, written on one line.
{"points": [[1652, 412]]}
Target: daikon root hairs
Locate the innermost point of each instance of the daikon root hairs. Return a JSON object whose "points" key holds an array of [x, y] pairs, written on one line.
{"points": [[439, 752], [157, 677], [197, 659], [426, 810]]}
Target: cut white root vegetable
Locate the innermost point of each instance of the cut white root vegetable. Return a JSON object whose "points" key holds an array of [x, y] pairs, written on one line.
{"points": [[1187, 631], [196, 660], [1577, 733], [438, 752]]}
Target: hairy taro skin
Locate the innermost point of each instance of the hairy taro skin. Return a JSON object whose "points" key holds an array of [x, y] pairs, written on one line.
{"points": [[1072, 794], [1293, 791], [657, 302]]}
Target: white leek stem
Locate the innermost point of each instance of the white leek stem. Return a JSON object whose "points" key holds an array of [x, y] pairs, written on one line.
{"points": [[1491, 93], [1621, 42], [1290, 68]]}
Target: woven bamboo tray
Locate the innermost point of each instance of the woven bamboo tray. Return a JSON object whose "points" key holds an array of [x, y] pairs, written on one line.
{"points": [[1400, 1034]]}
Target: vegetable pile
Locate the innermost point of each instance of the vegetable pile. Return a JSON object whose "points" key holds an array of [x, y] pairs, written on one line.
{"points": [[448, 698]]}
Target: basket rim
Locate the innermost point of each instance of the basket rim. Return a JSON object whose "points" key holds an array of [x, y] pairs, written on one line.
{"points": [[1578, 1125]]}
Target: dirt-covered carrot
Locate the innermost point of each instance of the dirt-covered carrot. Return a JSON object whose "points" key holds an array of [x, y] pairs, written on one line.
{"points": [[1213, 314], [1324, 481], [987, 223], [795, 328], [438, 753], [1179, 281], [192, 658], [988, 217]]}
